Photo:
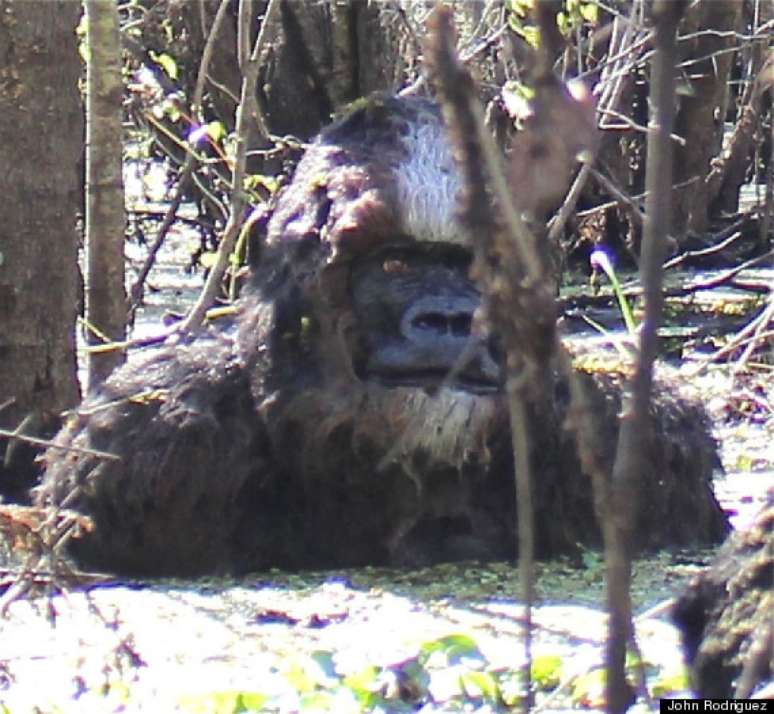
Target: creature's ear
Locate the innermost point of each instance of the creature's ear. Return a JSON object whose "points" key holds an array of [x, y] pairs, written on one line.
{"points": [[258, 324], [337, 198], [256, 229]]}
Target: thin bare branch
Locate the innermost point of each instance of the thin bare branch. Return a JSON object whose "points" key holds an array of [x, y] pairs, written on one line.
{"points": [[246, 110], [630, 458], [138, 287], [54, 445]]}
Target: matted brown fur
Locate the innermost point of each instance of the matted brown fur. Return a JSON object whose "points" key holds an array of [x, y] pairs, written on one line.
{"points": [[265, 443], [726, 614]]}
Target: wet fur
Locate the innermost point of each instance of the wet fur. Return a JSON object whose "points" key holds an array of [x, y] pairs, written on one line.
{"points": [[257, 445]]}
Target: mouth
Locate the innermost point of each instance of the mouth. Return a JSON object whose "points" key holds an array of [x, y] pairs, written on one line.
{"points": [[435, 379]]}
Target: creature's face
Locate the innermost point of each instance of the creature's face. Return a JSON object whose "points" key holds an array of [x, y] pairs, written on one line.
{"points": [[378, 370], [369, 223], [415, 309]]}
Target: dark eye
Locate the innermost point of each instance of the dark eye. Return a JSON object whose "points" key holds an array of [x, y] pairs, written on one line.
{"points": [[394, 265], [434, 322]]}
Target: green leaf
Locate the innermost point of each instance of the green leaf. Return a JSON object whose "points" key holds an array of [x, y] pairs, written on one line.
{"points": [[632, 659], [168, 108], [599, 259], [670, 682], [546, 671], [166, 62], [364, 680], [455, 648], [251, 701], [310, 673], [512, 689], [744, 462], [82, 32], [588, 690], [216, 130], [590, 12], [529, 33], [224, 702], [522, 8], [298, 676], [564, 23], [318, 701], [592, 560], [480, 685], [517, 98], [207, 260], [254, 181]]}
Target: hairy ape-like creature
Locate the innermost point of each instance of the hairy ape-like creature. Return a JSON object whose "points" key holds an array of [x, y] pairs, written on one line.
{"points": [[354, 413]]}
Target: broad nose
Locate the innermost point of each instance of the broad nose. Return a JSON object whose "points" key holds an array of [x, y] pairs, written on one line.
{"points": [[439, 318], [441, 334]]}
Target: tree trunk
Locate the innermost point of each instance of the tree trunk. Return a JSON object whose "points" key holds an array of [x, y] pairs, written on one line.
{"points": [[105, 216], [699, 121], [41, 133], [325, 55]]}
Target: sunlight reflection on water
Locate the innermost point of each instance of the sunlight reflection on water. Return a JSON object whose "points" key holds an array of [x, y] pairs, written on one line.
{"points": [[743, 495]]}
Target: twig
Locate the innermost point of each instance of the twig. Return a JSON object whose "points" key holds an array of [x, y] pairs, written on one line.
{"points": [[53, 445], [465, 57], [558, 222], [545, 704], [149, 214], [731, 273], [689, 254], [762, 33], [763, 321], [630, 456], [611, 92], [629, 123], [247, 109], [724, 238], [613, 59], [629, 202], [44, 532], [632, 287], [480, 167], [137, 289], [159, 337], [636, 198]]}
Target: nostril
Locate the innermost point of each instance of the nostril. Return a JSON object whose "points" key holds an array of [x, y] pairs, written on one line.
{"points": [[458, 324], [495, 349], [431, 322], [461, 324]]}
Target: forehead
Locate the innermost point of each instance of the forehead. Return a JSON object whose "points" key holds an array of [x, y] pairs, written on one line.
{"points": [[383, 171], [427, 184]]}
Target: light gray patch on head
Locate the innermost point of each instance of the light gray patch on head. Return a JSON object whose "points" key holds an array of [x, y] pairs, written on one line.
{"points": [[428, 183]]}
